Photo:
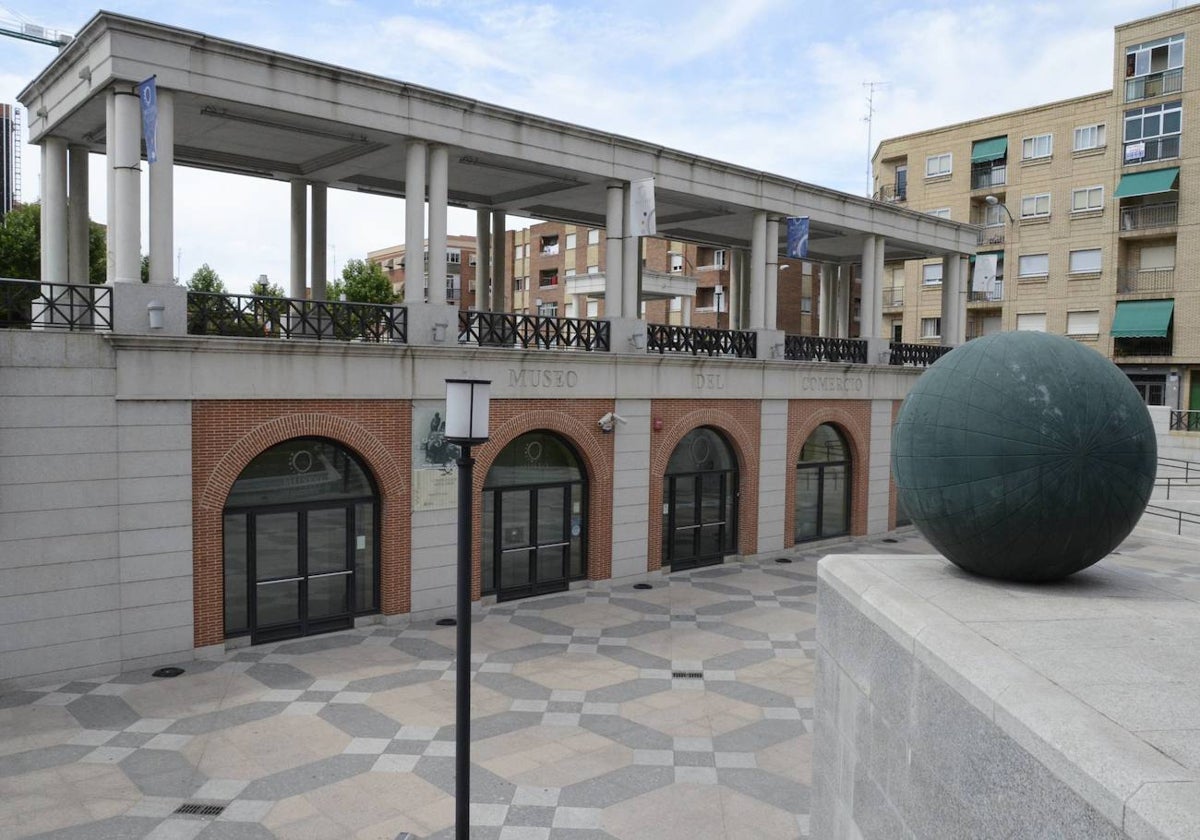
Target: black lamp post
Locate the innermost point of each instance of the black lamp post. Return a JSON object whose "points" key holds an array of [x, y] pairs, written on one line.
{"points": [[717, 292], [466, 425]]}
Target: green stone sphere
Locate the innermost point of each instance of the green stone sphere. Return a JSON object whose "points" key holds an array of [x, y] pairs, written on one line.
{"points": [[1024, 456]]}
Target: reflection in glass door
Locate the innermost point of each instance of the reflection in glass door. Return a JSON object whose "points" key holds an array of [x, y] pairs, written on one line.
{"points": [[699, 502], [822, 497]]}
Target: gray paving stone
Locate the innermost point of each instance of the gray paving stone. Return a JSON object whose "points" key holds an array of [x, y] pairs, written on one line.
{"points": [[386, 682], [297, 780], [637, 658], [626, 732], [493, 725], [116, 828], [279, 675], [31, 760], [758, 735], [720, 588], [641, 605], [767, 787], [615, 786], [532, 815], [162, 773], [102, 712], [423, 649], [486, 786], [221, 830], [510, 685], [632, 630], [225, 718], [526, 653], [18, 698], [552, 602], [736, 659], [626, 691], [752, 694], [316, 644], [724, 608], [359, 721], [541, 625]]}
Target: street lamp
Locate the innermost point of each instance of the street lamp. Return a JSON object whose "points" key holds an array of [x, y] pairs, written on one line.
{"points": [[467, 402], [992, 201], [718, 291]]}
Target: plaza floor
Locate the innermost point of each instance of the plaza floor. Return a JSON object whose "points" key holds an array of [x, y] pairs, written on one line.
{"points": [[680, 711]]}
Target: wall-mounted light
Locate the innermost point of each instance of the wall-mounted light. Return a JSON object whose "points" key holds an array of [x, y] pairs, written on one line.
{"points": [[777, 351], [638, 341], [155, 314], [439, 331]]}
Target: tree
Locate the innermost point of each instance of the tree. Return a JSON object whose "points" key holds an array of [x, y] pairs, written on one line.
{"points": [[21, 250], [206, 280], [363, 282], [264, 288]]}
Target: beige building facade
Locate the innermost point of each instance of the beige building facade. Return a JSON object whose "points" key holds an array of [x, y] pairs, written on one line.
{"points": [[1090, 215]]}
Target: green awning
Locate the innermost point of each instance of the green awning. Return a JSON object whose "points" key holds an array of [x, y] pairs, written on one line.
{"points": [[997, 254], [989, 150], [1147, 183], [1142, 318]]}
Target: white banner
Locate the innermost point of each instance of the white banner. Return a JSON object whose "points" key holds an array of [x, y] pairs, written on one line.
{"points": [[984, 278], [641, 207]]}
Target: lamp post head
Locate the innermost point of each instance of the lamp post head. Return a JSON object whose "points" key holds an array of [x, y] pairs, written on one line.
{"points": [[467, 404], [991, 199]]}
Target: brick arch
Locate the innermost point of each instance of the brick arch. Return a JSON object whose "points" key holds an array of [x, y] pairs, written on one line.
{"points": [[595, 450], [854, 422], [742, 438], [265, 428]]}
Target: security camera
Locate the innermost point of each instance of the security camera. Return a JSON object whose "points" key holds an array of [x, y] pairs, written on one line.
{"points": [[607, 422]]}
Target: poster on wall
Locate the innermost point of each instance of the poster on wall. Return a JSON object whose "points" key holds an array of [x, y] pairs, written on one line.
{"points": [[435, 483]]}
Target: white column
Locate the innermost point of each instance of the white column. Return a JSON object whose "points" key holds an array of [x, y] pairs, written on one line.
{"points": [[500, 301], [825, 299], [844, 287], [876, 330], [77, 215], [733, 290], [685, 309], [631, 261], [110, 190], [162, 193], [299, 240], [869, 286], [483, 260], [414, 222], [439, 195], [772, 286], [54, 210], [128, 173], [614, 232], [319, 251], [954, 300], [758, 272]]}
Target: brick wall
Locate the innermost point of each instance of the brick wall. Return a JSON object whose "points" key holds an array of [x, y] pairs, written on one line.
{"points": [[853, 419], [228, 434], [738, 421]]}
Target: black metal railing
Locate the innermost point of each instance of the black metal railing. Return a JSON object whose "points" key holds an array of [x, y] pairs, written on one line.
{"points": [[700, 341], [892, 193], [504, 329], [251, 316], [994, 296], [1132, 280], [27, 304], [815, 348], [917, 355], [989, 235], [987, 175], [1165, 214], [1185, 421], [1179, 517], [1143, 346], [1154, 84], [1158, 148]]}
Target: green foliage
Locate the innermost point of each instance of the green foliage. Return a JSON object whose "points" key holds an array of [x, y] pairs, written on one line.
{"points": [[21, 249], [97, 253], [363, 282], [206, 280], [265, 288]]}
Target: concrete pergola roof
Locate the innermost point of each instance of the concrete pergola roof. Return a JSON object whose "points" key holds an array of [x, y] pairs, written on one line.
{"points": [[244, 109]]}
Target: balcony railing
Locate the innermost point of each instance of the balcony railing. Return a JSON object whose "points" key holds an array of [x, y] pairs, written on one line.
{"points": [[893, 297], [1185, 421], [988, 175], [505, 329], [892, 193], [996, 295], [251, 316], [1142, 346], [1148, 216], [27, 304], [700, 341], [1145, 151], [1155, 84], [916, 355], [990, 235], [1131, 280], [814, 348]]}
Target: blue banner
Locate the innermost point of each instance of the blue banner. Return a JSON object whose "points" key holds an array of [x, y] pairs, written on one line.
{"points": [[797, 237], [147, 93]]}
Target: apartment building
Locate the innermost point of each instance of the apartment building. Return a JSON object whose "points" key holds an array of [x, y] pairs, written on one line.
{"points": [[1091, 214], [460, 268]]}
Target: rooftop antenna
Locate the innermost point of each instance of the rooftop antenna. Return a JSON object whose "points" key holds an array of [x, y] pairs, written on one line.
{"points": [[870, 86]]}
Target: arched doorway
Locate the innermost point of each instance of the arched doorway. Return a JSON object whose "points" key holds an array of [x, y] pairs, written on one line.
{"points": [[700, 489], [534, 518], [823, 479], [301, 542]]}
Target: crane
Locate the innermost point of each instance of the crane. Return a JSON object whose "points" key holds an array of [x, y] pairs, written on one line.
{"points": [[16, 26]]}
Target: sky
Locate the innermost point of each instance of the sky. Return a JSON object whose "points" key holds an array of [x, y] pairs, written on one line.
{"points": [[775, 85]]}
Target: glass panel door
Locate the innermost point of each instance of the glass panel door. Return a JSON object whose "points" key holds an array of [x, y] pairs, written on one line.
{"points": [[330, 567], [712, 513], [516, 527], [833, 500], [552, 538], [277, 569]]}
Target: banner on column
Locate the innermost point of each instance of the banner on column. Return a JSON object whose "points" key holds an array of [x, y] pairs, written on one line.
{"points": [[147, 93], [641, 207], [984, 278], [797, 237]]}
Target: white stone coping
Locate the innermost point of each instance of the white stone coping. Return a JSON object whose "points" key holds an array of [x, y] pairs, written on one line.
{"points": [[982, 636]]}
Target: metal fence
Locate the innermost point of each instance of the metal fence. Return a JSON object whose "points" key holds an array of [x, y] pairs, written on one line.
{"points": [[1185, 421], [503, 329], [29, 305], [700, 341], [917, 355], [813, 348], [251, 316]]}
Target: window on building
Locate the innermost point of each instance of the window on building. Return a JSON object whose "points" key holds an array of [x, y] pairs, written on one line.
{"points": [[571, 238], [593, 308], [1157, 257], [941, 212], [1154, 68], [931, 274], [1032, 321], [569, 272], [676, 304], [676, 262], [548, 246], [1152, 133], [936, 165], [593, 236], [1089, 137], [519, 283], [1085, 261], [1083, 322], [1035, 206], [1040, 146], [1033, 265], [1087, 198], [547, 277], [805, 306], [994, 215], [454, 256], [548, 310], [931, 328], [593, 269]]}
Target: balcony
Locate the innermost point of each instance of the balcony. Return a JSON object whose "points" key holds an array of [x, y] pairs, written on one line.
{"points": [[892, 193], [1149, 216], [982, 300], [1146, 151], [1155, 84], [893, 298], [990, 235], [1133, 280], [1125, 347], [985, 176]]}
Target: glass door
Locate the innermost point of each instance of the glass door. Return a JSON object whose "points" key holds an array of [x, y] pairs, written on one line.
{"points": [[698, 524], [534, 540]]}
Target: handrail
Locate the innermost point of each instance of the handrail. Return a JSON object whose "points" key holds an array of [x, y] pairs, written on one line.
{"points": [[701, 341], [1180, 516], [918, 355], [507, 329], [253, 316], [28, 304], [815, 348]]}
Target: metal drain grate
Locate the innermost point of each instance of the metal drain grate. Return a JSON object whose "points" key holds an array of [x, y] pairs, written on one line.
{"points": [[199, 809], [687, 675]]}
